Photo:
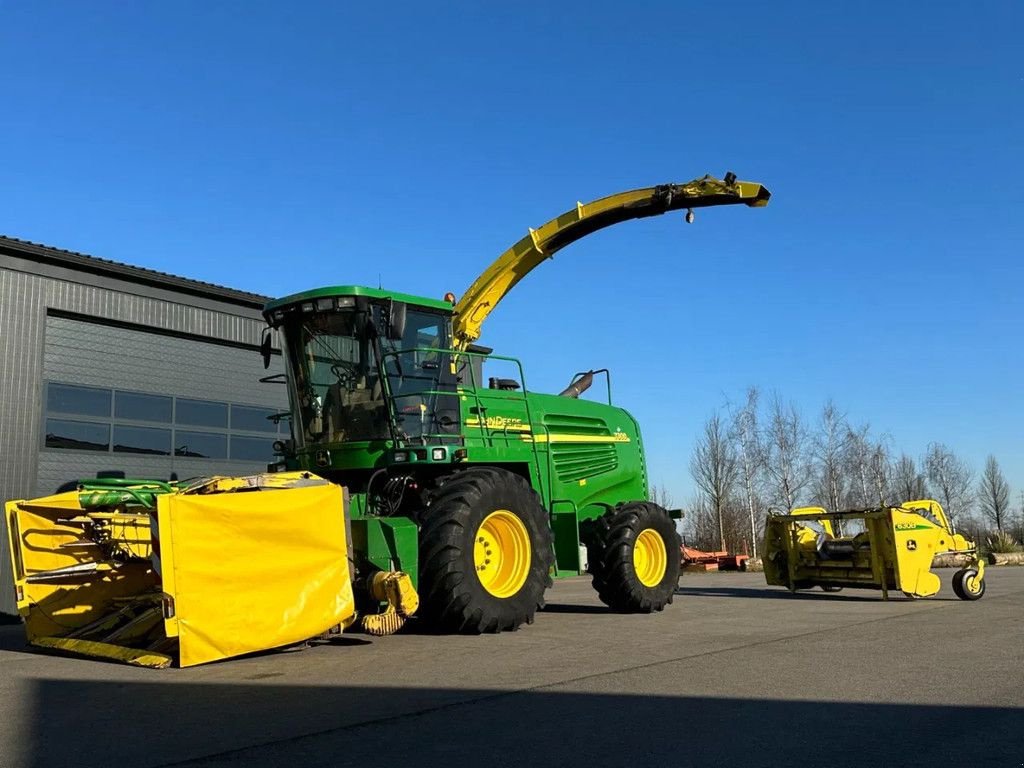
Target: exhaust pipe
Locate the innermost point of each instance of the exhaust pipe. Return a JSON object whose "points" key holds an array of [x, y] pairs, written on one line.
{"points": [[578, 386]]}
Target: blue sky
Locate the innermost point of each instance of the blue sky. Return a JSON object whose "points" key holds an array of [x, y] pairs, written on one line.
{"points": [[274, 149]]}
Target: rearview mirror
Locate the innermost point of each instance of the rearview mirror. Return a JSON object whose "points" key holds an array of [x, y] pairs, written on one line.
{"points": [[396, 320], [266, 350]]}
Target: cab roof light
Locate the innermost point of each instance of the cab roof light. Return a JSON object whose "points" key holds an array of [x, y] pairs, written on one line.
{"points": [[307, 306], [346, 301], [325, 303]]}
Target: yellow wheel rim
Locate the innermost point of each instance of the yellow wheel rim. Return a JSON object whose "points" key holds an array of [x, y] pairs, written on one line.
{"points": [[972, 584], [501, 553], [650, 560]]}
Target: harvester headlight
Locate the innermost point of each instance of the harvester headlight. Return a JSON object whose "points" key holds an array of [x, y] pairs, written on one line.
{"points": [[401, 455], [346, 301], [438, 454], [307, 306], [325, 303]]}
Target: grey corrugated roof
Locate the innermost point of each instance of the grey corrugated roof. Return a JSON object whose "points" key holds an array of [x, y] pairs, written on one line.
{"points": [[96, 265]]}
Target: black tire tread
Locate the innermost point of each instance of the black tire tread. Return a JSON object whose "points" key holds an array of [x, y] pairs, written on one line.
{"points": [[451, 597], [958, 586], [961, 590], [610, 540]]}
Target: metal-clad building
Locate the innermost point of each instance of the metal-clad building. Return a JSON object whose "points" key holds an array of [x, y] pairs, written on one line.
{"points": [[111, 368]]}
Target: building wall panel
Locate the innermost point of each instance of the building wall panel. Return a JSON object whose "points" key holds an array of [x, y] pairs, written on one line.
{"points": [[26, 299]]}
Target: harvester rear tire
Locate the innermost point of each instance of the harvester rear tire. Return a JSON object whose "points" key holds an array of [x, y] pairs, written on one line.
{"points": [[453, 596], [960, 584], [611, 551]]}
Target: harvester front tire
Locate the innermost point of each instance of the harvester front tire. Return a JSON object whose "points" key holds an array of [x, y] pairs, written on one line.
{"points": [[455, 595], [619, 549], [960, 581]]}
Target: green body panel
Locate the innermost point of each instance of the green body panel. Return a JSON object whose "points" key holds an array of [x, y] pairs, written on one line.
{"points": [[565, 529], [389, 543], [357, 290], [581, 457]]}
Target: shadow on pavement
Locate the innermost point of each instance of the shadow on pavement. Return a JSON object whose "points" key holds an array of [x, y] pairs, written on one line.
{"points": [[171, 720], [12, 637], [761, 593]]}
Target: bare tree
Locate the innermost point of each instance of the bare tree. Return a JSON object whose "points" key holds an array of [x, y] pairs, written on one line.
{"points": [[972, 527], [950, 480], [830, 446], [1017, 530], [659, 495], [879, 470], [750, 459], [994, 494], [857, 460], [908, 483], [699, 526], [786, 453], [713, 467]]}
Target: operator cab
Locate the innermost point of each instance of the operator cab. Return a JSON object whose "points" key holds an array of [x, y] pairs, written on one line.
{"points": [[367, 365]]}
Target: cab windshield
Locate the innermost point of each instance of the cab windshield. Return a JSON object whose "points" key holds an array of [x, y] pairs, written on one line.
{"points": [[336, 382]]}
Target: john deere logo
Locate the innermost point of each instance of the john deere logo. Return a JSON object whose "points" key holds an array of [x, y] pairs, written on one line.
{"points": [[322, 458]]}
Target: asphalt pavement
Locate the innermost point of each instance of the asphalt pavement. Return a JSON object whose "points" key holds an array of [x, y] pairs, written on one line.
{"points": [[733, 672]]}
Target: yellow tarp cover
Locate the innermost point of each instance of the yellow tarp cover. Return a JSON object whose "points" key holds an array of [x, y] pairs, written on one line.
{"points": [[253, 570]]}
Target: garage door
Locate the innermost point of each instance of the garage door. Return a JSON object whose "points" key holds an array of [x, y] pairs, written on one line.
{"points": [[151, 405]]}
